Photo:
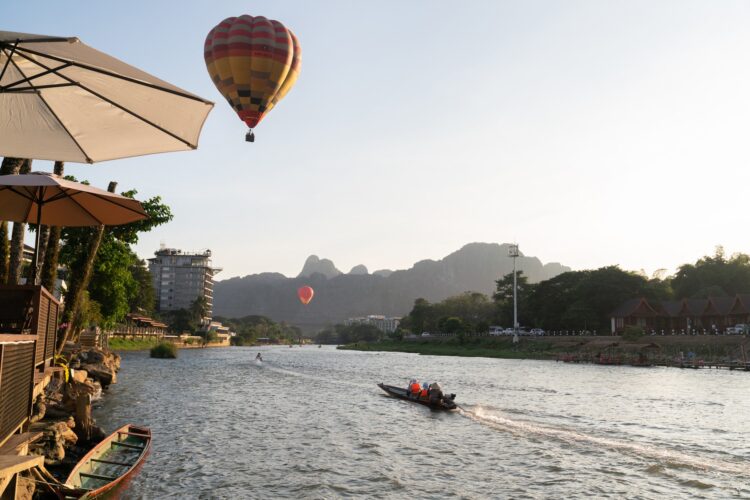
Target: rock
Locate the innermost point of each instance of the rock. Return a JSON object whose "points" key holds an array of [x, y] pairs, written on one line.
{"points": [[66, 433], [39, 409], [54, 455], [79, 375], [101, 373]]}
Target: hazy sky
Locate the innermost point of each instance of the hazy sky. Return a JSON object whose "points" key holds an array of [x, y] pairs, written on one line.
{"points": [[592, 132]]}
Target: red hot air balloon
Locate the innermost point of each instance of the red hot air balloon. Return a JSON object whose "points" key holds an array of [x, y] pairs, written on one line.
{"points": [[305, 294]]}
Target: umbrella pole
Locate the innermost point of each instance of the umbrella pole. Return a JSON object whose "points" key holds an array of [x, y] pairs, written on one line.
{"points": [[35, 263]]}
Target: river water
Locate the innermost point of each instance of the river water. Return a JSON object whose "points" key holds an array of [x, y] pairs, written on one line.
{"points": [[311, 423]]}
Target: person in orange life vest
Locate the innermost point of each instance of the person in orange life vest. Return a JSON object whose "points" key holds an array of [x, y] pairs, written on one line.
{"points": [[423, 392], [414, 389]]}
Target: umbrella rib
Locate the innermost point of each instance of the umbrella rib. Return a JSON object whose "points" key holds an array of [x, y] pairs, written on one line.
{"points": [[115, 75], [39, 40], [113, 103], [88, 160], [83, 208], [33, 90], [108, 200], [20, 193], [39, 75], [9, 56], [31, 205]]}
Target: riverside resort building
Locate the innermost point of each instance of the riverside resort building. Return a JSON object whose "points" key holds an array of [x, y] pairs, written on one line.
{"points": [[181, 277], [714, 314]]}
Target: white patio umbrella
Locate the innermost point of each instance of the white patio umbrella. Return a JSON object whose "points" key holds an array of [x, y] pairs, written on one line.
{"points": [[63, 100], [42, 198]]}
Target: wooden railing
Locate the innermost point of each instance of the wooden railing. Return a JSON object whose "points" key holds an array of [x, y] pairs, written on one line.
{"points": [[16, 382], [29, 310]]}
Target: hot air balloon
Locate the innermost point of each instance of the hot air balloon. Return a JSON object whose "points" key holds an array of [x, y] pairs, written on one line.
{"points": [[253, 61], [305, 294]]}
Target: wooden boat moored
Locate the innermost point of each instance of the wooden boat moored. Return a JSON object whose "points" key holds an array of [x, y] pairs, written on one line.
{"points": [[446, 403], [110, 465]]}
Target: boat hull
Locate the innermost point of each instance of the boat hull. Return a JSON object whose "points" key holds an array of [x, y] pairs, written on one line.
{"points": [[111, 464], [401, 393]]}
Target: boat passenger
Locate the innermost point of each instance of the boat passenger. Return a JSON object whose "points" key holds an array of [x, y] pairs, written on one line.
{"points": [[435, 393], [424, 391], [259, 357], [414, 389]]}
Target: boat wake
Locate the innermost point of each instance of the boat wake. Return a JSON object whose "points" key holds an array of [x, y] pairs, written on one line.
{"points": [[671, 458]]}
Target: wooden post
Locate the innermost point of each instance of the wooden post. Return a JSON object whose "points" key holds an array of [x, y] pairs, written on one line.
{"points": [[83, 418]]}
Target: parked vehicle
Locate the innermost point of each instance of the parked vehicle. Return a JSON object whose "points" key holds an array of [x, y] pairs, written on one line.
{"points": [[426, 334], [737, 329], [537, 331], [497, 330]]}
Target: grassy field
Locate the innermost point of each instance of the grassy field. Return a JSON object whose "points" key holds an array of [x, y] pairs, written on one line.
{"points": [[120, 344], [706, 347]]}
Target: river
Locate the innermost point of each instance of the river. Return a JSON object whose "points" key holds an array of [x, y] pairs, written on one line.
{"points": [[311, 423]]}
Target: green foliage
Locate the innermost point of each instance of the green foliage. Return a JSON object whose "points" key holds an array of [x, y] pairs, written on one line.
{"points": [[199, 310], [251, 328], [144, 299], [120, 283], [713, 276], [179, 321], [112, 283], [474, 311], [503, 298], [90, 314], [632, 333], [210, 336], [121, 344], [165, 350], [583, 300]]}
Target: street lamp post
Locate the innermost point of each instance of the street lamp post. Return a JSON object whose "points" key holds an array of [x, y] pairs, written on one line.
{"points": [[513, 252]]}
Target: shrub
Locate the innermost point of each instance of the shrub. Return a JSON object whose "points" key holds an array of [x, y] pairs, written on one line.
{"points": [[166, 350], [632, 333]]}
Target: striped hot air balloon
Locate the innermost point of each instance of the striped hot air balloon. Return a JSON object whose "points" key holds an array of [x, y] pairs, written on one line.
{"points": [[253, 61]]}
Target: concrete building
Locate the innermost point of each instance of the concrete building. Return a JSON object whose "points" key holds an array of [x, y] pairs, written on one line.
{"points": [[382, 323], [181, 277]]}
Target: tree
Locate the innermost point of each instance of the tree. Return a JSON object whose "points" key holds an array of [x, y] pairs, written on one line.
{"points": [[16, 244], [144, 298], [80, 277], [180, 320], [112, 284], [713, 276], [79, 253], [199, 310], [10, 166], [504, 298], [583, 300], [48, 274]]}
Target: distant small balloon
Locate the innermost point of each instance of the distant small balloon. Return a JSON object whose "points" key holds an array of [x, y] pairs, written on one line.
{"points": [[305, 294]]}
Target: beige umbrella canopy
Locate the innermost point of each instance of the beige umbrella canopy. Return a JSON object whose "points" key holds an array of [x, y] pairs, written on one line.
{"points": [[63, 100], [42, 198]]}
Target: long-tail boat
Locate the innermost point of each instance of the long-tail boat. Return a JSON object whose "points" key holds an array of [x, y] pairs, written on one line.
{"points": [[444, 403], [110, 465]]}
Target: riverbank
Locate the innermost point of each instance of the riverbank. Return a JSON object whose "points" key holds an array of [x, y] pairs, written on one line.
{"points": [[145, 344], [647, 350], [61, 421]]}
